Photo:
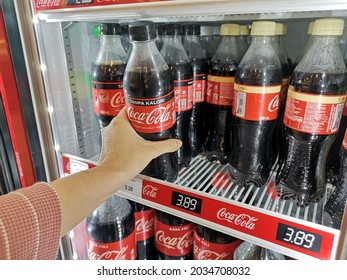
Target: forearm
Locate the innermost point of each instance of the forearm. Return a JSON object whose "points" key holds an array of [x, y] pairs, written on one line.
{"points": [[81, 193]]}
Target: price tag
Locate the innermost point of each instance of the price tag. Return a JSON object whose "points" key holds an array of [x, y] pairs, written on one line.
{"points": [[77, 166], [133, 187]]}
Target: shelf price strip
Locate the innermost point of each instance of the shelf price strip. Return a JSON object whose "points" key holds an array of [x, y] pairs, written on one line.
{"points": [[295, 236]]}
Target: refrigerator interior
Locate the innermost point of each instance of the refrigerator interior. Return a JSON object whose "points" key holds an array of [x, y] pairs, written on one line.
{"points": [[68, 42]]}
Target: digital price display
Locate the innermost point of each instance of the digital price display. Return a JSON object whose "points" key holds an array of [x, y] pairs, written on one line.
{"points": [[187, 202], [298, 237]]}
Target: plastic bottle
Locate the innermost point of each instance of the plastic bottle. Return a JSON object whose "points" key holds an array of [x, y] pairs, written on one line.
{"points": [[148, 89], [220, 83], [257, 88], [199, 61], [315, 101], [179, 63], [335, 206], [250, 251], [207, 42], [107, 74], [111, 231]]}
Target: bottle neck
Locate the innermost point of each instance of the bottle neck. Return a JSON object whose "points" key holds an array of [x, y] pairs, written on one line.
{"points": [[263, 40], [228, 50], [111, 49], [110, 40]]}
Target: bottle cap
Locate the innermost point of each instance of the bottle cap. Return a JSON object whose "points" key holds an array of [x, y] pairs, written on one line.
{"points": [[244, 30], [310, 28], [328, 26], [206, 30], [110, 29], [192, 29], [279, 29], [230, 29], [267, 28], [173, 29], [142, 31]]}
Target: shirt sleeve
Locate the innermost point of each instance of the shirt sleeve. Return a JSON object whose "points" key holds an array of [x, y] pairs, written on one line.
{"points": [[30, 223]]}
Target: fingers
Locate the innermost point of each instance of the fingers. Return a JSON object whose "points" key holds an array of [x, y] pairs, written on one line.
{"points": [[165, 146]]}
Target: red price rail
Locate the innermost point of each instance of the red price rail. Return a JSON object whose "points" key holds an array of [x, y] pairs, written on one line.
{"points": [[205, 194]]}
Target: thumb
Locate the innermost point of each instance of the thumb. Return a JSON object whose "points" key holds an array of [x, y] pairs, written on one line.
{"points": [[166, 146]]}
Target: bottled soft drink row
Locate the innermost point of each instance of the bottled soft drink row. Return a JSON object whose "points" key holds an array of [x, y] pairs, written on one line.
{"points": [[236, 108], [123, 230]]}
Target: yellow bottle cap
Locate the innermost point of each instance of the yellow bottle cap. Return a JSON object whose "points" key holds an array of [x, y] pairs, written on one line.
{"points": [[244, 30], [328, 26], [279, 28], [230, 29], [267, 28]]}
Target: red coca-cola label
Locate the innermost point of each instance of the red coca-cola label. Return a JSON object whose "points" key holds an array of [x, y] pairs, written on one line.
{"points": [[344, 142], [108, 98], [183, 95], [124, 249], [174, 241], [314, 113], [220, 90], [256, 103], [144, 224], [151, 115], [199, 88], [205, 250]]}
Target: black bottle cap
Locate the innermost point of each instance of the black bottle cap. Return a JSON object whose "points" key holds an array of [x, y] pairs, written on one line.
{"points": [[192, 29], [110, 29], [173, 29], [142, 31]]}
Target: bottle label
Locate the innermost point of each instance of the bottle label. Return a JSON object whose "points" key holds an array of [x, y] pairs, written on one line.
{"points": [[344, 113], [108, 98], [144, 224], [204, 250], [151, 115], [199, 88], [344, 142], [183, 95], [124, 249], [256, 103], [283, 95], [173, 241], [313, 113], [220, 90]]}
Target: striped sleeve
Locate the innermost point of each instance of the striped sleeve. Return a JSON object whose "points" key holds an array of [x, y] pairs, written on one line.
{"points": [[30, 223]]}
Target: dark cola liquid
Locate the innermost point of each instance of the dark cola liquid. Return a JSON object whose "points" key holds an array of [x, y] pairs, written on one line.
{"points": [[146, 248], [218, 143], [252, 153], [198, 121], [183, 72], [106, 73], [151, 85], [171, 220], [302, 158]]}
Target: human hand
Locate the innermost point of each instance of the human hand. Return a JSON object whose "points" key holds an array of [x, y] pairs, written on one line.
{"points": [[123, 150]]}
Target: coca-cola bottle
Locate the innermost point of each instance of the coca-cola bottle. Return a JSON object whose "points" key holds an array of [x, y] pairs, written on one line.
{"points": [[199, 61], [315, 101], [333, 165], [335, 206], [111, 231], [107, 74], [206, 40], [220, 82], [173, 237], [177, 58], [144, 231], [257, 88], [148, 89], [210, 244]]}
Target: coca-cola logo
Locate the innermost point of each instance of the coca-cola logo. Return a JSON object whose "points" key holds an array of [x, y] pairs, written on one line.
{"points": [[109, 255], [143, 225], [117, 99], [242, 220], [183, 242], [149, 190], [103, 96], [209, 255], [156, 116], [274, 104], [47, 3]]}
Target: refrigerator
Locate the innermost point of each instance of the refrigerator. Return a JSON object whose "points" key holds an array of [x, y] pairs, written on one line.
{"points": [[59, 44]]}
